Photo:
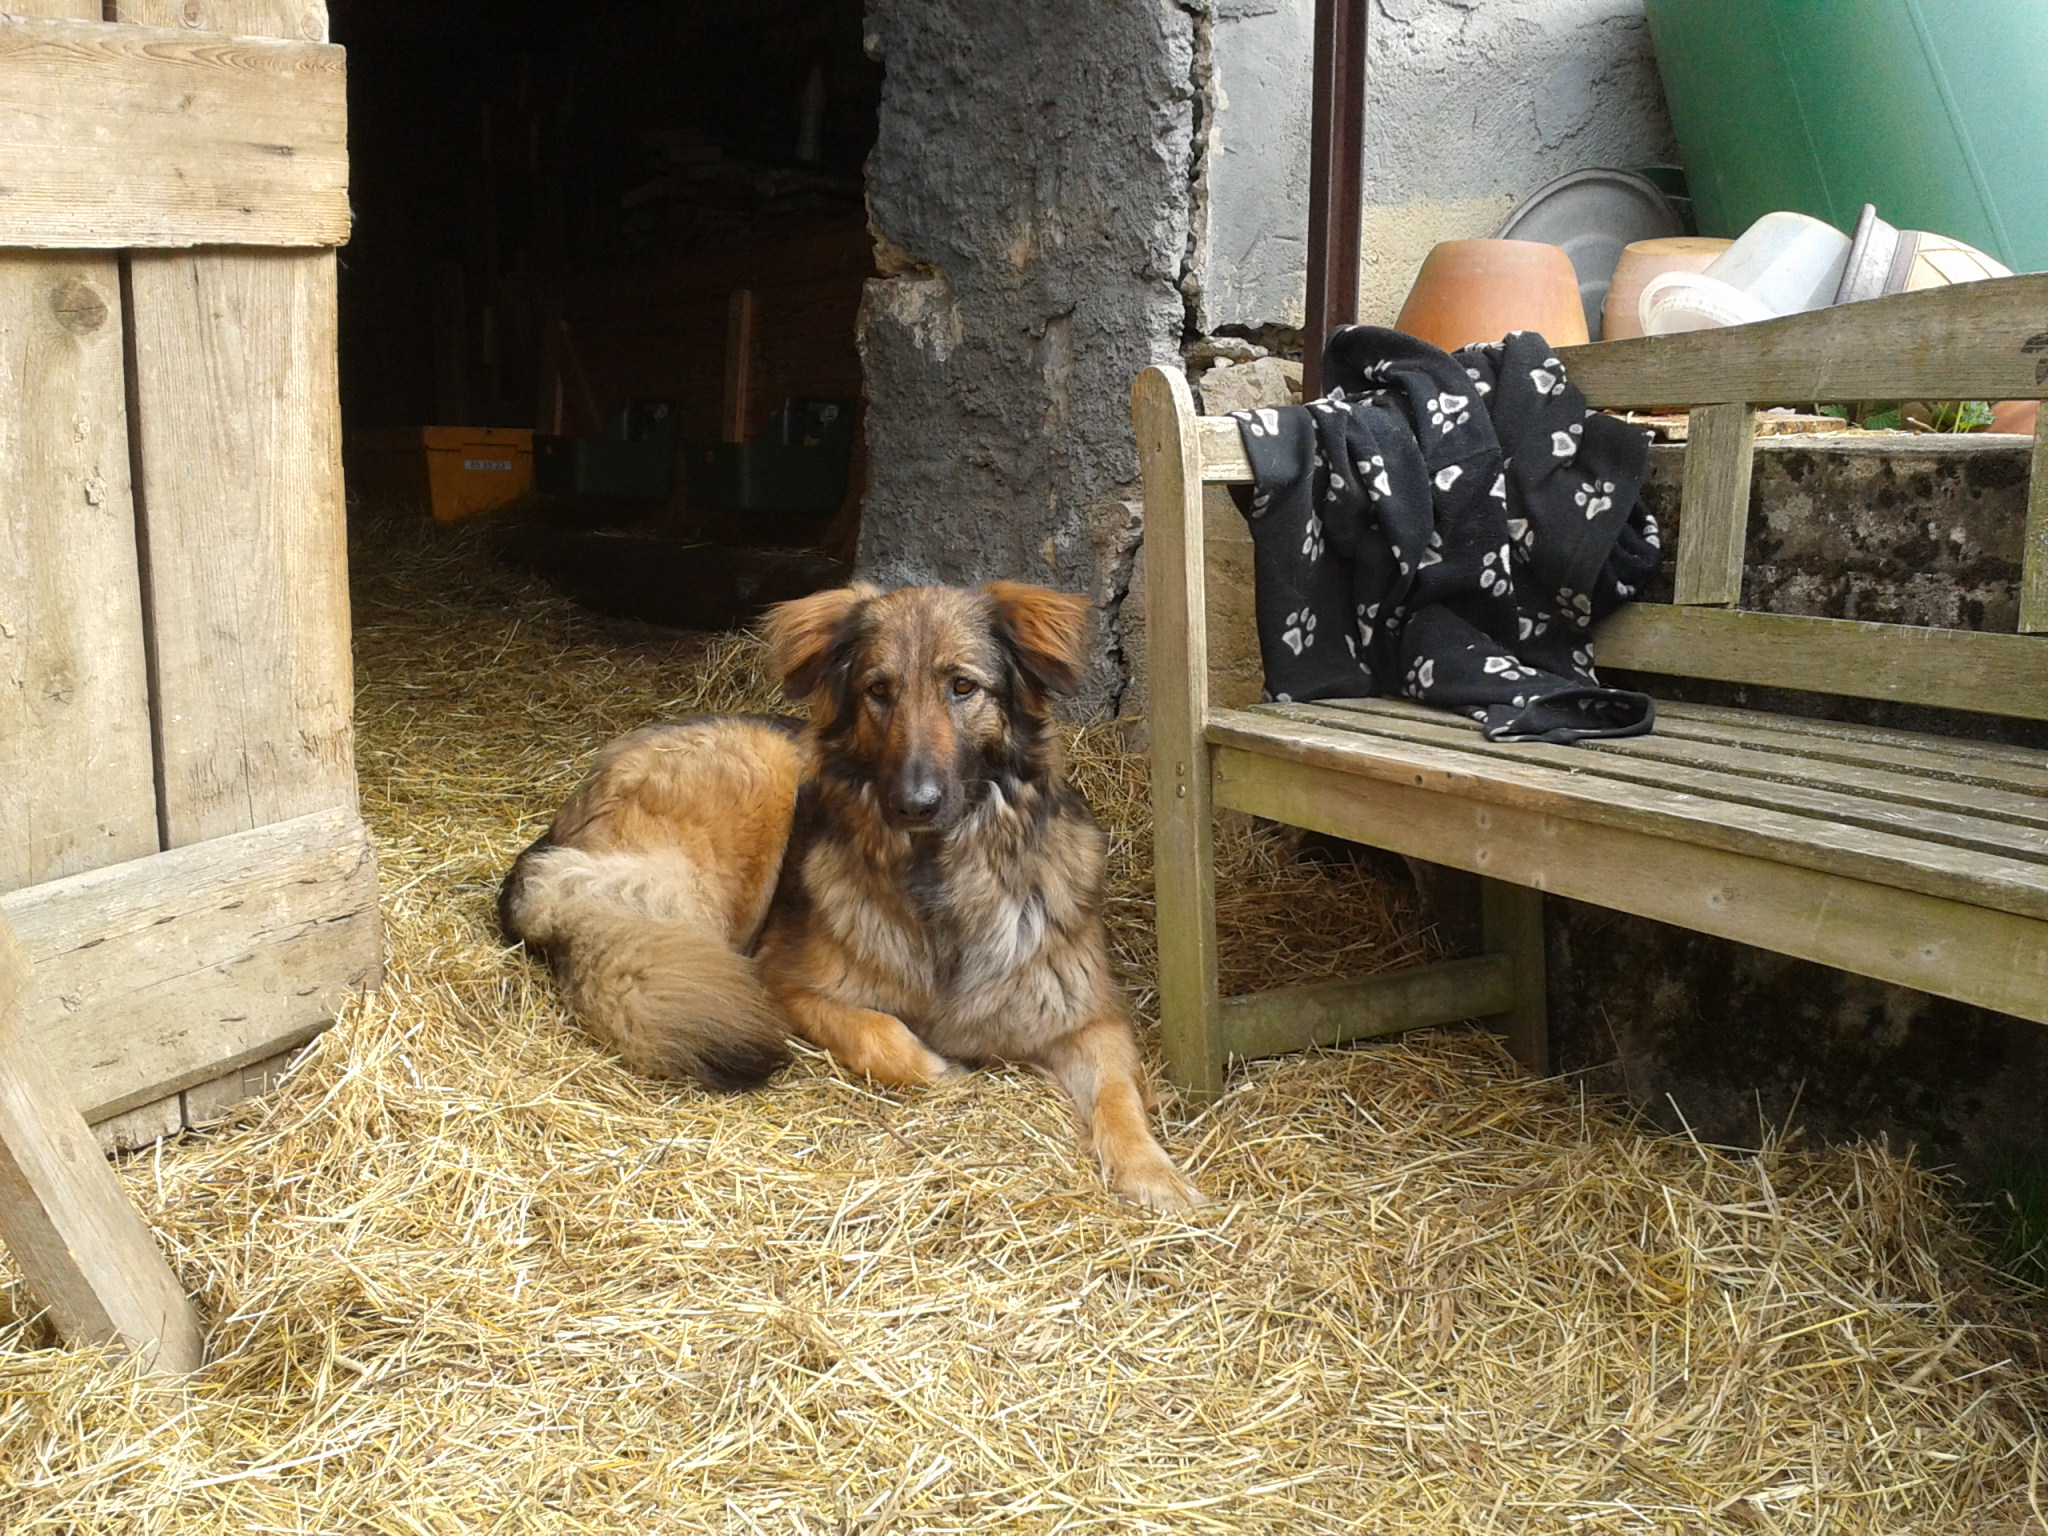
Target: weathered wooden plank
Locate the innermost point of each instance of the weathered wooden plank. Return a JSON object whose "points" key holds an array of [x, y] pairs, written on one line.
{"points": [[241, 493], [218, 1098], [1728, 775], [142, 1126], [2034, 548], [1903, 758], [1989, 762], [1221, 447], [76, 782], [1992, 958], [1714, 505], [75, 769], [123, 136], [1362, 1008], [170, 970], [64, 1216], [1911, 767], [1177, 672], [1511, 921], [1572, 801], [304, 19], [1948, 668], [1967, 342], [240, 452]]}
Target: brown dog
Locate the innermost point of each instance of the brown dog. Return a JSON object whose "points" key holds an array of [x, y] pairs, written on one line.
{"points": [[917, 880]]}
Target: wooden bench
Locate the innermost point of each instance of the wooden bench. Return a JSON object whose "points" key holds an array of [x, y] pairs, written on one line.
{"points": [[1916, 858]]}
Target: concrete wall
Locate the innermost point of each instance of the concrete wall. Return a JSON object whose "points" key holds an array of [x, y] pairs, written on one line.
{"points": [[1031, 190], [1470, 106]]}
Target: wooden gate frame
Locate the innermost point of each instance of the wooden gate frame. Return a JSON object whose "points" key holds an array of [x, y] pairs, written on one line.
{"points": [[180, 849]]}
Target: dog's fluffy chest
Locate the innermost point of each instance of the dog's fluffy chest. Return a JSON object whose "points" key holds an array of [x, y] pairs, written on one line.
{"points": [[982, 944]]}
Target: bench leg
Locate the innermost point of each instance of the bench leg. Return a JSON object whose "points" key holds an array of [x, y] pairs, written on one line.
{"points": [[1511, 918], [1184, 894]]}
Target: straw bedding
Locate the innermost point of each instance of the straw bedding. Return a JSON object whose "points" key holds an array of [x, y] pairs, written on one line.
{"points": [[468, 1276]]}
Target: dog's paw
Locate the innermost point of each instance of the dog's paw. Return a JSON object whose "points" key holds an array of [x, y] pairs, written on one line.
{"points": [[1157, 1186]]}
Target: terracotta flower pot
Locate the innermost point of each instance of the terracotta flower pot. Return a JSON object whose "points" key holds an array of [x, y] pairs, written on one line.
{"points": [[1478, 290], [1642, 261], [2014, 415]]}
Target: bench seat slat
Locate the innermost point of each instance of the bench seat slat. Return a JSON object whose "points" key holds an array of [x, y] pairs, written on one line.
{"points": [[2004, 838], [1515, 777], [1954, 948], [1997, 763], [1772, 759]]}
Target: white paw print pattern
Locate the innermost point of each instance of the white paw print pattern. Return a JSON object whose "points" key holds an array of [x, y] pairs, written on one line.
{"points": [[1493, 572], [1563, 445], [1576, 606], [1421, 678], [1546, 382], [1595, 497], [1506, 668], [1448, 411], [1499, 490], [1312, 539], [1434, 555], [1532, 625], [1583, 660], [1522, 534], [1264, 422], [1373, 472], [1448, 477], [1300, 633], [1365, 615]]}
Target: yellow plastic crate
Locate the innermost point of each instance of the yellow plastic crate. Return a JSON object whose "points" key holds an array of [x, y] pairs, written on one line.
{"points": [[455, 472]]}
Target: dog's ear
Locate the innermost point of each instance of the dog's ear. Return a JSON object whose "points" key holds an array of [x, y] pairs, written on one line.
{"points": [[806, 634], [1043, 630]]}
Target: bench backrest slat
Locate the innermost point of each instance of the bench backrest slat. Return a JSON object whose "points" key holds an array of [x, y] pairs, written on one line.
{"points": [[1975, 341], [1944, 668]]}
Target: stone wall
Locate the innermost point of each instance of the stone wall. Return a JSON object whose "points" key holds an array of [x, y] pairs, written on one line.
{"points": [[1030, 189]]}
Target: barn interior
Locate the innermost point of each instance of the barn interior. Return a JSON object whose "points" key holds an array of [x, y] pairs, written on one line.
{"points": [[606, 264]]}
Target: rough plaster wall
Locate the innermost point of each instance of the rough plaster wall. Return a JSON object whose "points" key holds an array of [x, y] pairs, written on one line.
{"points": [[1251, 254], [1030, 188], [1470, 106], [1473, 104]]}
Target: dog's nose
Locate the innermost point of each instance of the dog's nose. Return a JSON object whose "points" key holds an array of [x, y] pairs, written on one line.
{"points": [[916, 799]]}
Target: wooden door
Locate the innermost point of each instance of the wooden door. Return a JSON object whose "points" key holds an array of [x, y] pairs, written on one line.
{"points": [[179, 843]]}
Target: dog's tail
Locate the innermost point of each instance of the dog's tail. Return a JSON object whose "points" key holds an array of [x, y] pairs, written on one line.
{"points": [[646, 963]]}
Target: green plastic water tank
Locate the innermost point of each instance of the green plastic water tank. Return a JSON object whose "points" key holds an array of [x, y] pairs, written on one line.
{"points": [[1934, 110]]}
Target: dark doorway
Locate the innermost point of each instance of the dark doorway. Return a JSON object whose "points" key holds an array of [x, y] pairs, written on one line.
{"points": [[570, 212]]}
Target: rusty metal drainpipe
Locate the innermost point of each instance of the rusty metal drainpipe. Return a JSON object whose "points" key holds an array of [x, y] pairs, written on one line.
{"points": [[1336, 177]]}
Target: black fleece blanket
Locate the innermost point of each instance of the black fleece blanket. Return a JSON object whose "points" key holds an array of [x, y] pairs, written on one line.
{"points": [[1448, 528]]}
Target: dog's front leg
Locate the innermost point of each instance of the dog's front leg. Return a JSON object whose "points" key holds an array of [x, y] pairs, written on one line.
{"points": [[864, 1040], [1098, 1065]]}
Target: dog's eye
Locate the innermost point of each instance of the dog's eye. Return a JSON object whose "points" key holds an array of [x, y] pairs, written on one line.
{"points": [[879, 691], [963, 686]]}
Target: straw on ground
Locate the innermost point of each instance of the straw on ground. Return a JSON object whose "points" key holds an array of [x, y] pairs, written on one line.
{"points": [[468, 1276]]}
